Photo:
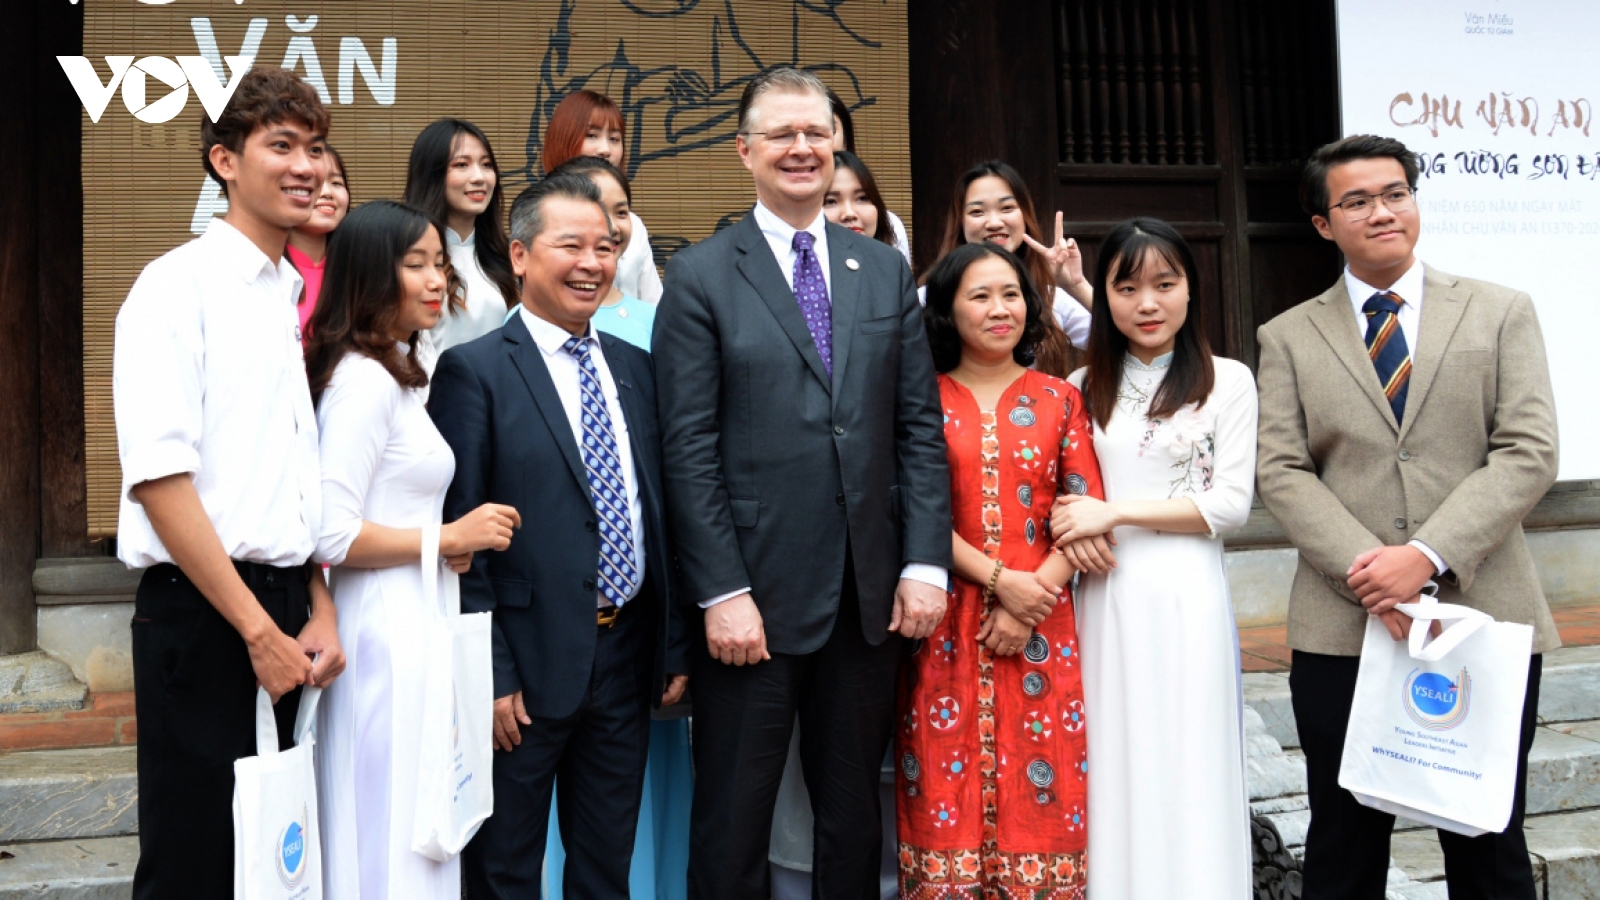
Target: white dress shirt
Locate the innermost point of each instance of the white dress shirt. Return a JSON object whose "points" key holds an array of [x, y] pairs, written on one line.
{"points": [[1409, 288], [563, 368], [485, 306], [636, 267], [780, 237], [208, 378]]}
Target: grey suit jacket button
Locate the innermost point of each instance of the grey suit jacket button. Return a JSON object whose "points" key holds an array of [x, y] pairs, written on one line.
{"points": [[838, 429], [1400, 523], [1404, 454], [839, 499]]}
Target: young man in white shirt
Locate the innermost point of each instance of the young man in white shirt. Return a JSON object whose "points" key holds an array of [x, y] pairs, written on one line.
{"points": [[221, 491]]}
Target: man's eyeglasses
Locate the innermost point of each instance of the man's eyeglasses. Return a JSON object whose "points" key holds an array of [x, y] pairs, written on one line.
{"points": [[786, 138], [1361, 207]]}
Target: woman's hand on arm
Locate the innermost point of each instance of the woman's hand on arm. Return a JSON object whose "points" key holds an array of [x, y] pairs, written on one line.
{"points": [[1025, 596], [1003, 633], [1019, 592]]}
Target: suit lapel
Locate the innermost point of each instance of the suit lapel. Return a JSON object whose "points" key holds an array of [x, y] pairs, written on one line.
{"points": [[1335, 318], [760, 268], [844, 293], [1443, 303], [529, 360]]}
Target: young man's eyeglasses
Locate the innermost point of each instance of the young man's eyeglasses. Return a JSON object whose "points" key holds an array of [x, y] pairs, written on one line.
{"points": [[1361, 207]]}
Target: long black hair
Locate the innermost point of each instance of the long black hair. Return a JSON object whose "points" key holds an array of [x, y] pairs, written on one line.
{"points": [[844, 159], [944, 279], [1055, 352], [362, 292], [430, 160], [1130, 247]]}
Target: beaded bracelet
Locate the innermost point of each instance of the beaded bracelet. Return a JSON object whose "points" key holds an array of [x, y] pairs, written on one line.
{"points": [[994, 579]]}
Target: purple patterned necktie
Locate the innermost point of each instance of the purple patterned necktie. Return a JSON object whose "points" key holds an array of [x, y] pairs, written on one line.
{"points": [[812, 294]]}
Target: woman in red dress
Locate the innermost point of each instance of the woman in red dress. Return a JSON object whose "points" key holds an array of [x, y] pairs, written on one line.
{"points": [[991, 744]]}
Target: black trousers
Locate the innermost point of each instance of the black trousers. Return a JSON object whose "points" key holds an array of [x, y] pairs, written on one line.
{"points": [[599, 754], [1347, 845], [194, 692], [743, 716]]}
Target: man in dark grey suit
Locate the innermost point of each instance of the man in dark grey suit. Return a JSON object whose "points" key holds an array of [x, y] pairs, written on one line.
{"points": [[807, 489]]}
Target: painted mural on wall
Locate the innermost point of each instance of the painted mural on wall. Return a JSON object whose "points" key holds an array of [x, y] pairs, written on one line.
{"points": [[386, 69]]}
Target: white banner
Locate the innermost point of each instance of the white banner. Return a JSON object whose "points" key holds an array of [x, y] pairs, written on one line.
{"points": [[1499, 98]]}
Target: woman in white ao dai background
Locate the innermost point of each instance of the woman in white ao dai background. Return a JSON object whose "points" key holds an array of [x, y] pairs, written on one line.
{"points": [[1168, 810], [385, 469]]}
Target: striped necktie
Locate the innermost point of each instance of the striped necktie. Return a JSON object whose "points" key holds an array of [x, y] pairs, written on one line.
{"points": [[1386, 344], [618, 574]]}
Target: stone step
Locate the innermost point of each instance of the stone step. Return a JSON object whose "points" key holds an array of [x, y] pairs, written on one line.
{"points": [[1569, 691], [93, 869], [54, 795], [1563, 776], [38, 682], [1565, 848]]}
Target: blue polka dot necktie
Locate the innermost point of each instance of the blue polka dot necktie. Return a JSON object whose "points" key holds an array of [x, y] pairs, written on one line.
{"points": [[1386, 344], [618, 574], [811, 291]]}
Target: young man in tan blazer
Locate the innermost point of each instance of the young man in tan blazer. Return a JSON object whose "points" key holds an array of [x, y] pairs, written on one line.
{"points": [[1407, 427]]}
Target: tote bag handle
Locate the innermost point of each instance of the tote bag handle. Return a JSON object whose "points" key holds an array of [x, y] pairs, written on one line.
{"points": [[449, 606], [305, 719], [1466, 622]]}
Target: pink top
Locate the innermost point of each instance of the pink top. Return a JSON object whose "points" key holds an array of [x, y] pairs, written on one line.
{"points": [[311, 273]]}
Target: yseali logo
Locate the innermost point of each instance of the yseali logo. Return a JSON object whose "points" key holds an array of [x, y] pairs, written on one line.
{"points": [[134, 78], [1435, 702], [292, 855]]}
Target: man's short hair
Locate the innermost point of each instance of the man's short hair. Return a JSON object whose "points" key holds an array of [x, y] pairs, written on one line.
{"points": [[783, 80], [265, 96], [527, 211], [1314, 180]]}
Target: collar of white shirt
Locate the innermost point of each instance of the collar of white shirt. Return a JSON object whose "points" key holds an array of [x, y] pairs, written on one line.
{"points": [[233, 252], [1408, 286], [451, 239], [780, 237], [550, 337]]}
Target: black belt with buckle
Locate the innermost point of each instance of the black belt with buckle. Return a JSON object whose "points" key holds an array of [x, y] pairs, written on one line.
{"points": [[606, 616]]}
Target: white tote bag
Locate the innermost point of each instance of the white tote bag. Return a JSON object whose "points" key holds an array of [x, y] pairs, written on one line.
{"points": [[1435, 726], [455, 775], [276, 840]]}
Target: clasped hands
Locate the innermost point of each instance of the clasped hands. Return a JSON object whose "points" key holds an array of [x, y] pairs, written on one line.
{"points": [[1385, 577], [1025, 600]]}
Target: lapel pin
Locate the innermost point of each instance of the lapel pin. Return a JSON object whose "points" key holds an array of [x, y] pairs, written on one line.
{"points": [[852, 265]]}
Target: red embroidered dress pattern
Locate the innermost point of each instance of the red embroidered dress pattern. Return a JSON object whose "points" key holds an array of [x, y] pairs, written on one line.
{"points": [[1014, 827]]}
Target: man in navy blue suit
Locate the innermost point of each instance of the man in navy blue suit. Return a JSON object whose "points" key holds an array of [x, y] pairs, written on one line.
{"points": [[553, 417]]}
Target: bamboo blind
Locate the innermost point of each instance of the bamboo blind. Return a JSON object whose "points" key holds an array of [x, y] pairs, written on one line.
{"points": [[675, 66]]}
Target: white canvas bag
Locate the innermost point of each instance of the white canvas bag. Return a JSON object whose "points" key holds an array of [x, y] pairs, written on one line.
{"points": [[455, 765], [1435, 726], [277, 841]]}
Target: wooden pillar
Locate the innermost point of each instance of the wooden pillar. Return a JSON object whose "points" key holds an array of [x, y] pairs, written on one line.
{"points": [[983, 85], [42, 479], [63, 476], [19, 337]]}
